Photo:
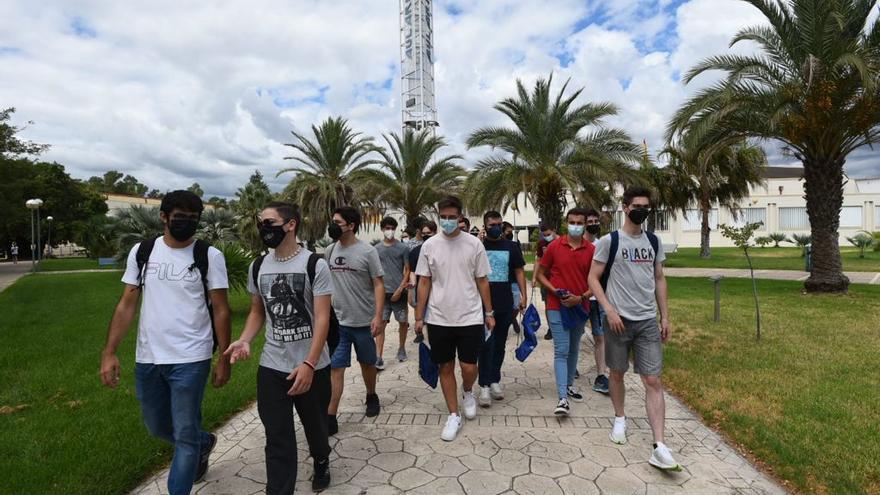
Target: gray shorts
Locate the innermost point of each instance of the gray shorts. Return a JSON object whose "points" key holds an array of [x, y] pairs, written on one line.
{"points": [[398, 308], [643, 337]]}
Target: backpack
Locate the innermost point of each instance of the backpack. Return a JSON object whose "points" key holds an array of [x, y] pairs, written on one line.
{"points": [[333, 329], [200, 261], [612, 253]]}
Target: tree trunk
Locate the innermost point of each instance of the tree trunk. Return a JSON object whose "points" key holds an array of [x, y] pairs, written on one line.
{"points": [[823, 182], [551, 212], [705, 207]]}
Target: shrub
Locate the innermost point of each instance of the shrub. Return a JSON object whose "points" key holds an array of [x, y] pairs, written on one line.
{"points": [[862, 240], [777, 237], [802, 240], [763, 241]]}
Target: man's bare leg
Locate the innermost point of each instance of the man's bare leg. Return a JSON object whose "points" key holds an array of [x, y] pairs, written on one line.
{"points": [[617, 390], [468, 376], [599, 346], [449, 386], [380, 340], [337, 382], [368, 371], [655, 405]]}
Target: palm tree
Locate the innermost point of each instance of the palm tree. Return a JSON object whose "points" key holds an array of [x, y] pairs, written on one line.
{"points": [[814, 86], [134, 225], [218, 225], [410, 178], [704, 174], [328, 173], [247, 206], [548, 152]]}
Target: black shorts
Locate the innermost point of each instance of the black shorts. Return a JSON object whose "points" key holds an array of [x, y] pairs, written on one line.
{"points": [[446, 341]]}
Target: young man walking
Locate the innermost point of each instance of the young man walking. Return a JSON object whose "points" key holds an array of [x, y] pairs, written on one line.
{"points": [[393, 255], [548, 235], [358, 300], [631, 292], [454, 290], [14, 251], [597, 314], [290, 292], [178, 277], [428, 229], [505, 271], [563, 271]]}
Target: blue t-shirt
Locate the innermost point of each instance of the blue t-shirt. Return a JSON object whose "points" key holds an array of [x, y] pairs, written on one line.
{"points": [[504, 258]]}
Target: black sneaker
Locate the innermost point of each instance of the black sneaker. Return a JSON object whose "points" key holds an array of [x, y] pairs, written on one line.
{"points": [[574, 395], [419, 338], [561, 407], [380, 364], [601, 384], [372, 405], [321, 479], [203, 458], [332, 425], [548, 335]]}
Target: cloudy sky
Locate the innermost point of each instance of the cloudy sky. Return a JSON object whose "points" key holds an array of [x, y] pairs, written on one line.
{"points": [[176, 92]]}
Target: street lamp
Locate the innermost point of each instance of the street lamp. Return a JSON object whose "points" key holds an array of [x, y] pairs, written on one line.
{"points": [[49, 242], [34, 205]]}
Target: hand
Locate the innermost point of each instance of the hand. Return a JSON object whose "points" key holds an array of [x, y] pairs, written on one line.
{"points": [[222, 370], [396, 296], [523, 304], [238, 351], [482, 235], [302, 379], [665, 330], [490, 323], [377, 326], [420, 326], [109, 370], [614, 321], [571, 301]]}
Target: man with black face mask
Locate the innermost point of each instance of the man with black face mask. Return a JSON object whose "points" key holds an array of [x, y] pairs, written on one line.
{"points": [[174, 345], [597, 314], [627, 280]]}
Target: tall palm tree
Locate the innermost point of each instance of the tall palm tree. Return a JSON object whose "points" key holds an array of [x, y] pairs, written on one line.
{"points": [[814, 86], [134, 225], [329, 172], [549, 152], [218, 225], [247, 206], [410, 178]]}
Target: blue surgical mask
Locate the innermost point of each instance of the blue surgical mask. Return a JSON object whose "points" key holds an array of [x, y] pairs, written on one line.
{"points": [[549, 238], [575, 230], [448, 226]]}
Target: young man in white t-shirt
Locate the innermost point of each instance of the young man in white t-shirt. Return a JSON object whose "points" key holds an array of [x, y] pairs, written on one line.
{"points": [[174, 342], [454, 289]]}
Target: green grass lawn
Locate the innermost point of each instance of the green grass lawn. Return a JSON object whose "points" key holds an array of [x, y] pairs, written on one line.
{"points": [[806, 398], [72, 435], [68, 264], [782, 258]]}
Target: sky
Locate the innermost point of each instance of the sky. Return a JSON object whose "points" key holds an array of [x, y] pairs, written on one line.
{"points": [[176, 92]]}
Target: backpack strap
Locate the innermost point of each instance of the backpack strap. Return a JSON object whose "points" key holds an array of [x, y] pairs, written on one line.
{"points": [[655, 244], [312, 266], [142, 257], [200, 261], [612, 253], [255, 271]]}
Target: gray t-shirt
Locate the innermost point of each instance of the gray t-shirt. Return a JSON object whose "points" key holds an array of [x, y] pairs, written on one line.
{"points": [[288, 297], [631, 287], [393, 259], [353, 269]]}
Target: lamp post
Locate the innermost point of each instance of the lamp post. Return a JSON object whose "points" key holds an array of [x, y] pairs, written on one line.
{"points": [[49, 240], [34, 205]]}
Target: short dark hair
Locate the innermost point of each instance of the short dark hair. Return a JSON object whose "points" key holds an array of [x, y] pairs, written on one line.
{"points": [[506, 225], [388, 222], [466, 221], [350, 215], [593, 213], [578, 212], [182, 200], [410, 231], [432, 225], [450, 202], [287, 211], [418, 222], [632, 192], [491, 214], [546, 226]]}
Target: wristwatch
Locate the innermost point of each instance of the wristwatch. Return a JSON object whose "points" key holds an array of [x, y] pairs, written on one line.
{"points": [[490, 314]]}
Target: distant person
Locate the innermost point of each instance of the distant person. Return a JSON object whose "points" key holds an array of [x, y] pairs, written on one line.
{"points": [[393, 255], [290, 292], [510, 235], [455, 302], [600, 385], [428, 230], [14, 251], [633, 290], [548, 235], [174, 342], [464, 224]]}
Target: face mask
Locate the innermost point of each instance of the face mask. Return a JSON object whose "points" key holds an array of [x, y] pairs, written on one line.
{"points": [[594, 229], [389, 234], [509, 236], [549, 238], [425, 237], [575, 230], [494, 232], [182, 229], [272, 235], [334, 231], [638, 216], [449, 226]]}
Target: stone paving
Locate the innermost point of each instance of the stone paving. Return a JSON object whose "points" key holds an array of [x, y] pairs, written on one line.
{"points": [[10, 272], [516, 446]]}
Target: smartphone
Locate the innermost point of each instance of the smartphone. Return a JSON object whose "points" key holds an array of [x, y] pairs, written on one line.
{"points": [[562, 293]]}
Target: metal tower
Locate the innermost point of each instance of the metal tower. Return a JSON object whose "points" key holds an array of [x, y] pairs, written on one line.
{"points": [[419, 110]]}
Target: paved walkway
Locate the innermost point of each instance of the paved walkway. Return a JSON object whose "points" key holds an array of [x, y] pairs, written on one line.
{"points": [[10, 272], [516, 446]]}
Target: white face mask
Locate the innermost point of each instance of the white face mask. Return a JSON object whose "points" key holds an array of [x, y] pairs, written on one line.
{"points": [[389, 234]]}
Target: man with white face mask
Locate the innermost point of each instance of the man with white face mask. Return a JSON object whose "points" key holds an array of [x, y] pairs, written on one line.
{"points": [[393, 255]]}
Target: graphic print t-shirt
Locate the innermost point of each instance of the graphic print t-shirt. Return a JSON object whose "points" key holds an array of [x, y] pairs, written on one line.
{"points": [[393, 259], [174, 325], [353, 269], [504, 258], [631, 285], [288, 297]]}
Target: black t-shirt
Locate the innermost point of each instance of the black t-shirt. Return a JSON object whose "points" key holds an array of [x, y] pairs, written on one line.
{"points": [[504, 258], [413, 262]]}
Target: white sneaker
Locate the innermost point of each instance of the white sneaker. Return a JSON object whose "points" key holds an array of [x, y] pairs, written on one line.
{"points": [[453, 424], [469, 404], [485, 398], [662, 459], [618, 432], [495, 389]]}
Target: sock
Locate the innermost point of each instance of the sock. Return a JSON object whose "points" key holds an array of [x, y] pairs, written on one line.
{"points": [[621, 419], [659, 444]]}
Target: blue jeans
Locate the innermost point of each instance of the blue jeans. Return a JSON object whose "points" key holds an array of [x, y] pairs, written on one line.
{"points": [[566, 349], [171, 404], [492, 351]]}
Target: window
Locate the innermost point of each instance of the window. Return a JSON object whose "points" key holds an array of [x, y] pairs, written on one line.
{"points": [[616, 220], [751, 215], [693, 220], [794, 218], [877, 217], [851, 217], [662, 223]]}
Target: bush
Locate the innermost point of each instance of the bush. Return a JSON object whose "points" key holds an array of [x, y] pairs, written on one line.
{"points": [[777, 237], [763, 241], [802, 240], [862, 240], [238, 260]]}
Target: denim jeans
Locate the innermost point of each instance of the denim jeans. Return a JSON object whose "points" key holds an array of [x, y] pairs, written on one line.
{"points": [[171, 404], [566, 349], [597, 316], [492, 351]]}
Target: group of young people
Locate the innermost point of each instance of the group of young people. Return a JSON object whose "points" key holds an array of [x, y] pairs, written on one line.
{"points": [[466, 292]]}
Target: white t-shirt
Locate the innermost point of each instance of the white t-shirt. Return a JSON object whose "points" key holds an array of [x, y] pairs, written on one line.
{"points": [[174, 326], [453, 265]]}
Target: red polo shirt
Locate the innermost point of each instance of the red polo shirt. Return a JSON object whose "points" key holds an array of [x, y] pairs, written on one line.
{"points": [[567, 268]]}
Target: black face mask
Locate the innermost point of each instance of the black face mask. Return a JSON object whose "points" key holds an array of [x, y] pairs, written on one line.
{"points": [[494, 232], [509, 236], [272, 235], [183, 229], [638, 216], [426, 237], [594, 229], [334, 231]]}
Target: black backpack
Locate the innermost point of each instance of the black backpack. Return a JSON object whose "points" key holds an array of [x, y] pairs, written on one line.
{"points": [[200, 262], [333, 329], [612, 253]]}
